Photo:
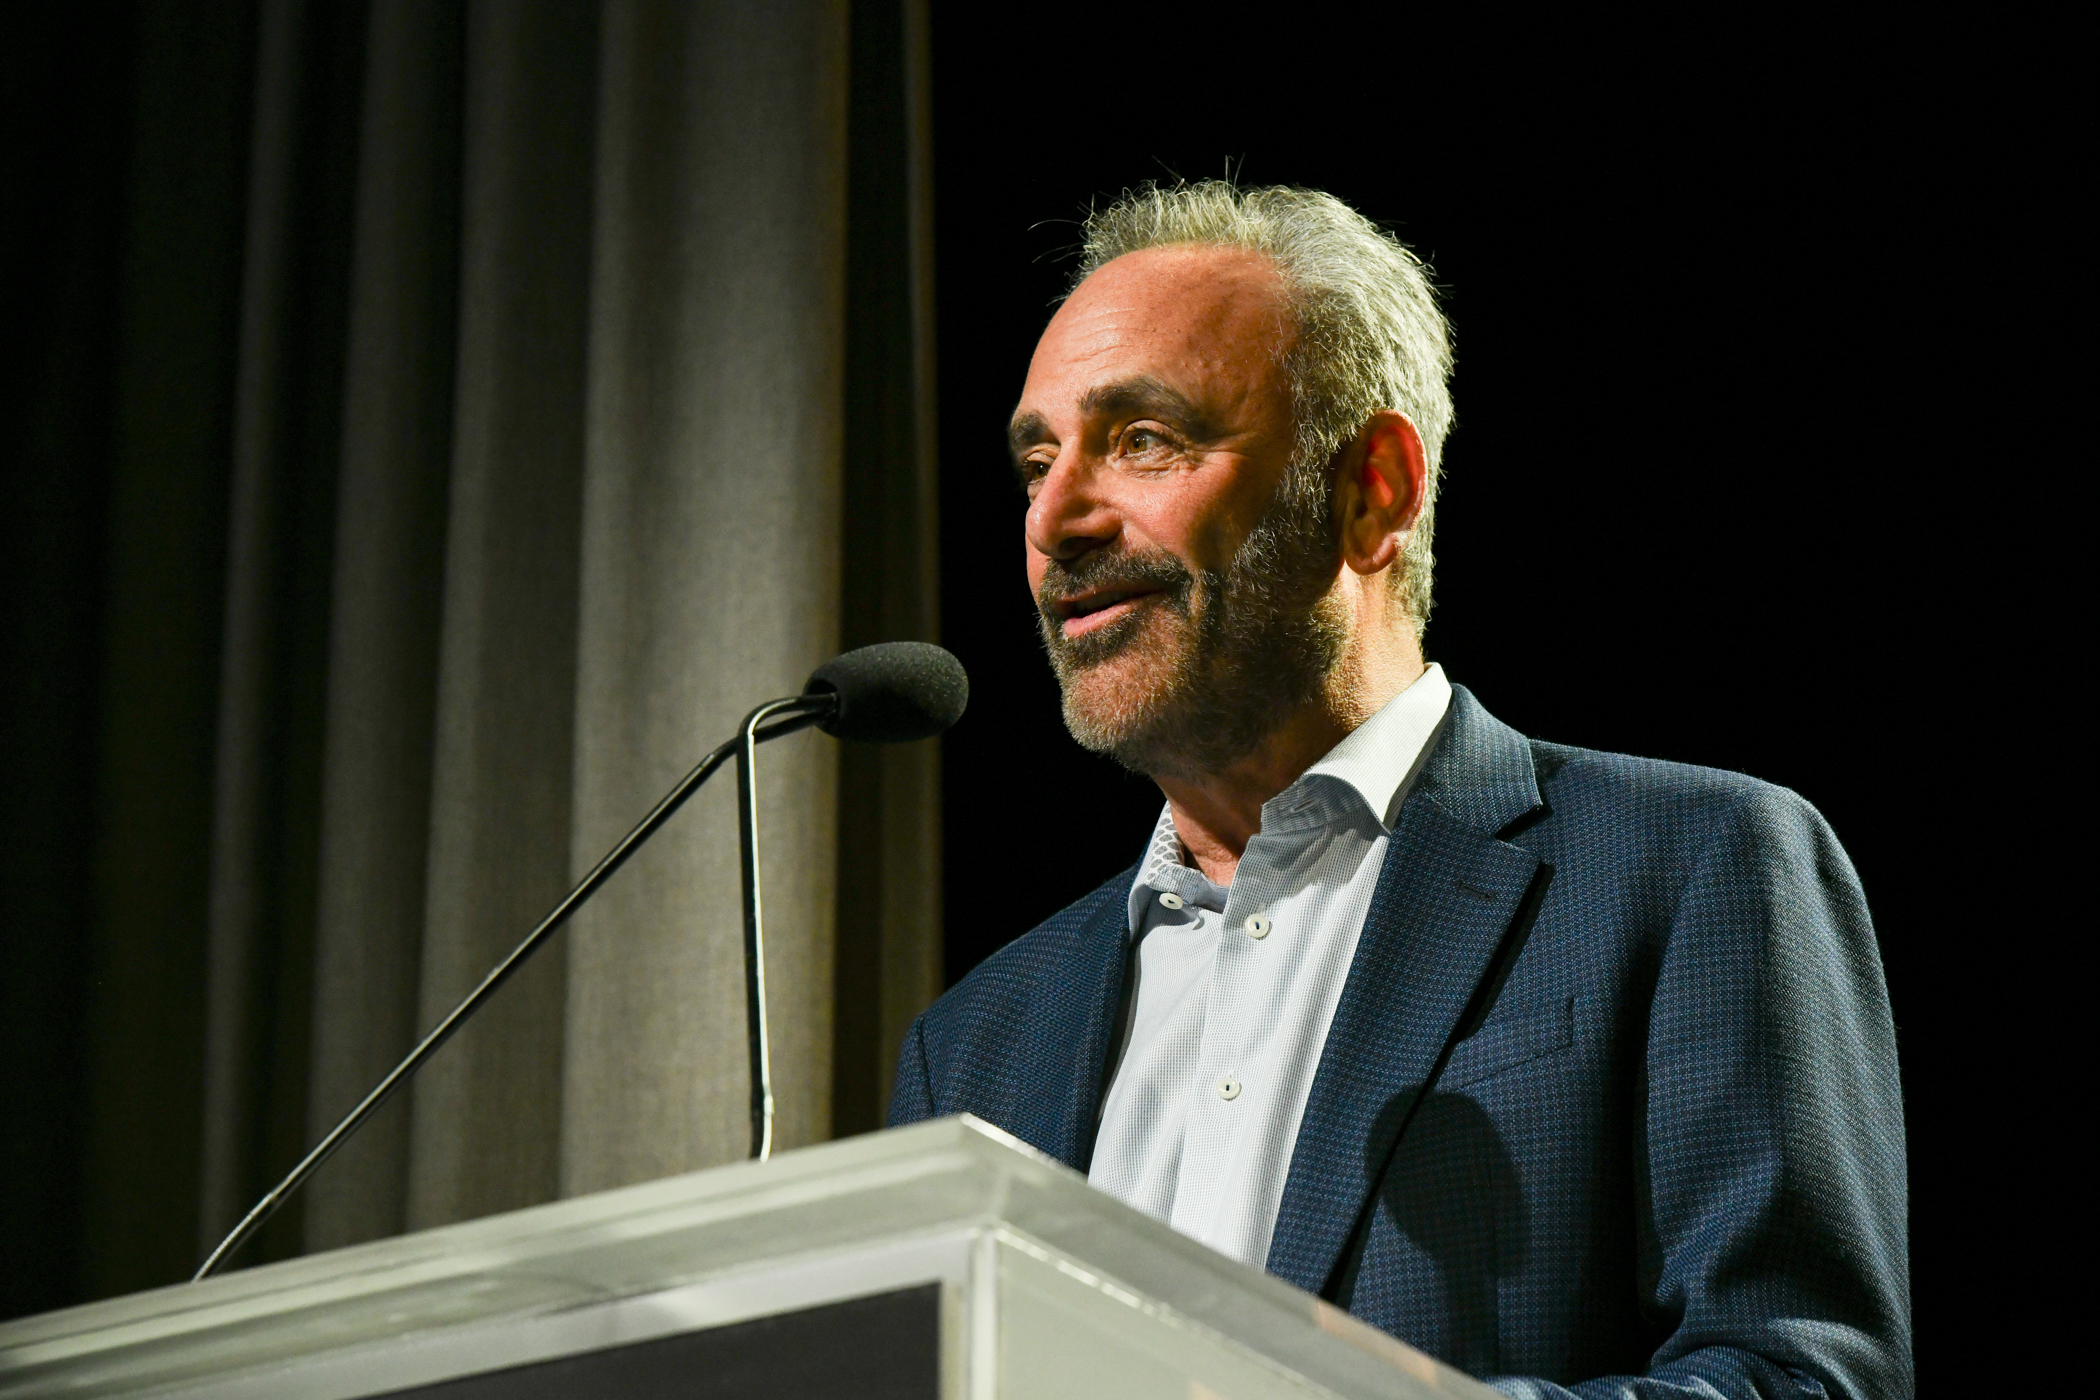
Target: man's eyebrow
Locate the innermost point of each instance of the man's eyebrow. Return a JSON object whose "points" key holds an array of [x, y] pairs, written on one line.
{"points": [[1141, 394], [1026, 431]]}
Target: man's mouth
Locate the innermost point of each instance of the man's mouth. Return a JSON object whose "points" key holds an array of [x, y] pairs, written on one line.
{"points": [[1081, 613]]}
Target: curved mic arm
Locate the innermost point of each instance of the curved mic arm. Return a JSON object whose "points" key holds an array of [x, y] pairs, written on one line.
{"points": [[801, 711], [760, 1056]]}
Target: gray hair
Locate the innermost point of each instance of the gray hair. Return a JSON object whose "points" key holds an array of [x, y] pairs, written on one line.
{"points": [[1369, 334]]}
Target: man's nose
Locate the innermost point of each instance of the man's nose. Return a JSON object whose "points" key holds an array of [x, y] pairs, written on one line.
{"points": [[1068, 516]]}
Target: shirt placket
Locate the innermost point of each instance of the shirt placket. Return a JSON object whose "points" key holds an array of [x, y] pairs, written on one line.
{"points": [[1229, 1094]]}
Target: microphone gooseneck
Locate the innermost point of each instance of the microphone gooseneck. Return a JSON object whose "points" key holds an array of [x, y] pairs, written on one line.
{"points": [[758, 1051], [888, 693]]}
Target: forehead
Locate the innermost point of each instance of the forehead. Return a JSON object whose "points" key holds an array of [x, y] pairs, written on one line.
{"points": [[1194, 317]]}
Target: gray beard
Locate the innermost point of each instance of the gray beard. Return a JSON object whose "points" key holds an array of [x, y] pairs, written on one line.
{"points": [[1254, 642]]}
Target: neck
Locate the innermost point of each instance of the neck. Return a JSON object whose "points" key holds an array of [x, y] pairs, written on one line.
{"points": [[1216, 814]]}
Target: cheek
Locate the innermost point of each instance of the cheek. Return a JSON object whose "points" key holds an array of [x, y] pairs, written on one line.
{"points": [[1170, 518], [1211, 543], [1204, 517], [1198, 531]]}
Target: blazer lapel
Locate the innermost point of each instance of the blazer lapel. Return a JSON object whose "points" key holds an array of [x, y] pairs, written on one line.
{"points": [[1053, 1087], [1446, 898]]}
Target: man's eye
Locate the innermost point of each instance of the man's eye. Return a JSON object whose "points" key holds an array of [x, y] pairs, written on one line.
{"points": [[1141, 440]]}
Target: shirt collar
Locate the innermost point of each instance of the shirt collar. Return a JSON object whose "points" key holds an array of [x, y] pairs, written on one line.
{"points": [[1380, 755], [1375, 763], [1164, 871]]}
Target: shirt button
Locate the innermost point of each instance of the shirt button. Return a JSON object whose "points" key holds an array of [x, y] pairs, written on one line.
{"points": [[1171, 900], [1258, 927], [1228, 1089]]}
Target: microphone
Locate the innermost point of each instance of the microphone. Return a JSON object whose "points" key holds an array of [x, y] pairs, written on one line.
{"points": [[889, 693]]}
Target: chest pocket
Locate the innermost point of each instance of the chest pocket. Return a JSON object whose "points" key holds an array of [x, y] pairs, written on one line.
{"points": [[1504, 1043]]}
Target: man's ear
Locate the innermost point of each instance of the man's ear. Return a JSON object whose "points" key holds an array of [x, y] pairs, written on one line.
{"points": [[1378, 493]]}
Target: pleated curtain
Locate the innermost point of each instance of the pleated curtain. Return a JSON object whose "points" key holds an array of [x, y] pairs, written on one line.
{"points": [[572, 396]]}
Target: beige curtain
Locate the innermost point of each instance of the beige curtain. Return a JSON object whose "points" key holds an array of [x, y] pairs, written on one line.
{"points": [[621, 279]]}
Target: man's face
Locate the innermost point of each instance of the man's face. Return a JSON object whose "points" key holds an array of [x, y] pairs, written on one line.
{"points": [[1180, 585]]}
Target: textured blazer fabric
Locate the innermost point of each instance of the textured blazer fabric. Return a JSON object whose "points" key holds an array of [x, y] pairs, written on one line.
{"points": [[1609, 1105]]}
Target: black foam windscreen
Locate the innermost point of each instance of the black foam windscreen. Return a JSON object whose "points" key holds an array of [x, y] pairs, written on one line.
{"points": [[892, 692]]}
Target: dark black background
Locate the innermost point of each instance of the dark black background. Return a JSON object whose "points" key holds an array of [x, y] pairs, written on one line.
{"points": [[1759, 438]]}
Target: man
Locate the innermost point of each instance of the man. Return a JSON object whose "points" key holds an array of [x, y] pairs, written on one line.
{"points": [[1574, 1070]]}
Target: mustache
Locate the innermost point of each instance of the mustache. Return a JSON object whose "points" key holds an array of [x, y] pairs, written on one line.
{"points": [[1097, 569]]}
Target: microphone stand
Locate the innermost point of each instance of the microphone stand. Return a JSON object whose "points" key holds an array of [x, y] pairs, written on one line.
{"points": [[760, 1056], [801, 711]]}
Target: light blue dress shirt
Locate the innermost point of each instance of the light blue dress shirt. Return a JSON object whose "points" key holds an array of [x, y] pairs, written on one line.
{"points": [[1236, 987]]}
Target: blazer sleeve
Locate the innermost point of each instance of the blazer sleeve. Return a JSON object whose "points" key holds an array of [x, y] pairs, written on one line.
{"points": [[1769, 1163], [911, 1098]]}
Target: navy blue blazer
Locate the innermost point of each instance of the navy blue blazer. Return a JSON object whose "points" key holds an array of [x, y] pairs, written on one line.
{"points": [[1609, 1105]]}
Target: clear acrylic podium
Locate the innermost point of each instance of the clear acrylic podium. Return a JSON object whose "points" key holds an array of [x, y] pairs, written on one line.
{"points": [[943, 1260]]}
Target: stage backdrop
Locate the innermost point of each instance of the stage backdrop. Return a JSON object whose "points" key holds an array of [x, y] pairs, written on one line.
{"points": [[449, 419]]}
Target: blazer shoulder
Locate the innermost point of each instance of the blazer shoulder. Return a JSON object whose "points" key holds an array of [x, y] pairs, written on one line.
{"points": [[1574, 780], [1656, 824]]}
